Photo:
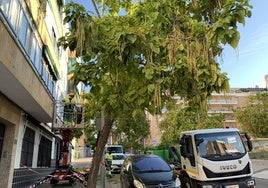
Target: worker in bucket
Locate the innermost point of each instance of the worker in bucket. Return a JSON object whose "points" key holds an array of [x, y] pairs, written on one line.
{"points": [[109, 159]]}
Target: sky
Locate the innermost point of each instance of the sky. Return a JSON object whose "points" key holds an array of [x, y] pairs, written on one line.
{"points": [[248, 64]]}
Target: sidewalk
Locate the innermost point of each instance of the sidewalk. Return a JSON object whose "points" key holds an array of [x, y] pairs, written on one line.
{"points": [[113, 182], [260, 168], [108, 183]]}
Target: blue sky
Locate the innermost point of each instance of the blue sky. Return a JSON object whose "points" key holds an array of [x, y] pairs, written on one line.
{"points": [[246, 66]]}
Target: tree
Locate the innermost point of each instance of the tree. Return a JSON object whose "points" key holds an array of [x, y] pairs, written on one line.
{"points": [[213, 121], [254, 117], [152, 51], [132, 129], [181, 119]]}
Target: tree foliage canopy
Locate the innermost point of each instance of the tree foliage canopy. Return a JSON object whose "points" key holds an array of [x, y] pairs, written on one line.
{"points": [[132, 129], [138, 55], [182, 119], [254, 117], [153, 47]]}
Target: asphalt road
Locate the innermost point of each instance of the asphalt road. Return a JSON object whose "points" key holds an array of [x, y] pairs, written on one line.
{"points": [[261, 183], [114, 182]]}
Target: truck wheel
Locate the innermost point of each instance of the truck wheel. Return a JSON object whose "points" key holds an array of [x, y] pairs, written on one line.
{"points": [[190, 183], [85, 184], [71, 182], [53, 181], [187, 185], [186, 182]]}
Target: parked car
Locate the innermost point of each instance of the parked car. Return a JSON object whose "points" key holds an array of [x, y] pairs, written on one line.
{"points": [[118, 157], [117, 162], [146, 171]]}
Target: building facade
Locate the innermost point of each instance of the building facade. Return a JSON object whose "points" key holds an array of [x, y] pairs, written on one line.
{"points": [[218, 103], [81, 146], [227, 103], [32, 78]]}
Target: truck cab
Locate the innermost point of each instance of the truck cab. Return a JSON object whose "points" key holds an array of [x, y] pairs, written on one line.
{"points": [[215, 158]]}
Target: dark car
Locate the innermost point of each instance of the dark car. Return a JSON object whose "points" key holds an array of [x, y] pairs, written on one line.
{"points": [[147, 171]]}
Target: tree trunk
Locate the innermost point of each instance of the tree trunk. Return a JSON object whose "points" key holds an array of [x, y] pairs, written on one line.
{"points": [[97, 157]]}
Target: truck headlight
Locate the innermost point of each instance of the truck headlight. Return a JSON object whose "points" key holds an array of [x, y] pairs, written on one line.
{"points": [[138, 184], [207, 186], [177, 183], [251, 183]]}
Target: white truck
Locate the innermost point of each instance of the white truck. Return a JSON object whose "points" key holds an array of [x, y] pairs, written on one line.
{"points": [[118, 156], [216, 158]]}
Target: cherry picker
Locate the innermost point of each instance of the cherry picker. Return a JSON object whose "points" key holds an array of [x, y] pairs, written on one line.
{"points": [[68, 117]]}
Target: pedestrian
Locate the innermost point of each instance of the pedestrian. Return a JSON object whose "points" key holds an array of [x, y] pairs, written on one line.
{"points": [[109, 159]]}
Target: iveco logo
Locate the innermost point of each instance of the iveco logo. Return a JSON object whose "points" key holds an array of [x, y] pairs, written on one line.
{"points": [[228, 167]]}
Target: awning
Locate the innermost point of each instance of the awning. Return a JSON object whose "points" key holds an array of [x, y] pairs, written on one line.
{"points": [[51, 63]]}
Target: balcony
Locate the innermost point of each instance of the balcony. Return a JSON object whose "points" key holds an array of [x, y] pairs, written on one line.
{"points": [[222, 101]]}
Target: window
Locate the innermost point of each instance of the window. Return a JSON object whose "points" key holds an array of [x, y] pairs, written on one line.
{"points": [[32, 50], [38, 62], [27, 148], [29, 40], [5, 4], [2, 133], [44, 152], [44, 73], [219, 145], [23, 25], [15, 7], [150, 164], [51, 85]]}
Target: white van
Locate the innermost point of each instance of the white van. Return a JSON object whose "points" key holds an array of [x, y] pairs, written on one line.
{"points": [[118, 156]]}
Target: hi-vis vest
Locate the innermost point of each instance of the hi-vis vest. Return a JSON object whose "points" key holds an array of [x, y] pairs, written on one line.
{"points": [[109, 157]]}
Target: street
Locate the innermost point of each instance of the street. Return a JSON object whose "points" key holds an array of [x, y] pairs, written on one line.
{"points": [[260, 174], [114, 183], [261, 183]]}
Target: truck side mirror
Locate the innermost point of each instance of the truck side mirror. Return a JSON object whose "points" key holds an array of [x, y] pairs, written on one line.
{"points": [[249, 142], [183, 147]]}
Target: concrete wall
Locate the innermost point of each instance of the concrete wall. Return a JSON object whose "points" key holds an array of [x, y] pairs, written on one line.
{"points": [[9, 116], [15, 61]]}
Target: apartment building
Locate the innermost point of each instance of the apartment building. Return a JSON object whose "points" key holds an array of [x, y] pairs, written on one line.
{"points": [[218, 103], [154, 138], [227, 103], [32, 78]]}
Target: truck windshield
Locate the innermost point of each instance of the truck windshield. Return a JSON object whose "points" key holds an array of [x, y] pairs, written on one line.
{"points": [[115, 149], [219, 144]]}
